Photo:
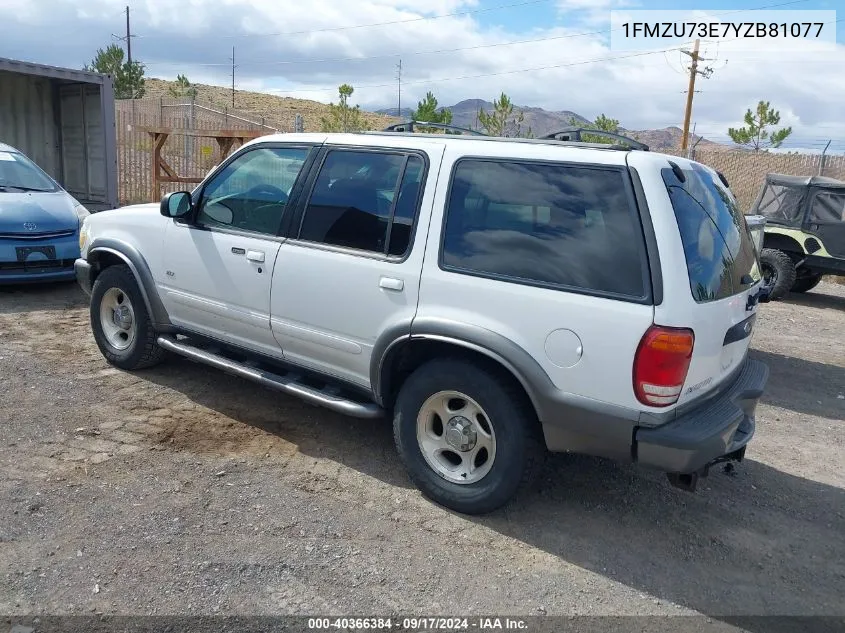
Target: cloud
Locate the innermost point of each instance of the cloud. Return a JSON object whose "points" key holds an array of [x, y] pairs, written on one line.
{"points": [[281, 47]]}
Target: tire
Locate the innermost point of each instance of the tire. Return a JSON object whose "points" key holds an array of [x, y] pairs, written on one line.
{"points": [[805, 283], [778, 272], [514, 455], [132, 344]]}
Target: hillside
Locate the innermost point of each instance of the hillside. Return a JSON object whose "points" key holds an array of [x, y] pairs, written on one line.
{"points": [[277, 111], [541, 122]]}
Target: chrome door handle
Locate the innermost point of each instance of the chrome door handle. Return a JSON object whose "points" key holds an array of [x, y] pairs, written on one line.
{"points": [[255, 256], [391, 283]]}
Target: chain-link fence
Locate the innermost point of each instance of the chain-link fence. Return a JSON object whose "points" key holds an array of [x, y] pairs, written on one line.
{"points": [[193, 157], [188, 156], [746, 171]]}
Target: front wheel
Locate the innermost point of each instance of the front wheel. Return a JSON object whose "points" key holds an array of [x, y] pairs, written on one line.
{"points": [[119, 320], [466, 437], [778, 272]]}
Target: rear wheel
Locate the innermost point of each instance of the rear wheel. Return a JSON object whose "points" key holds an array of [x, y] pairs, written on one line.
{"points": [[806, 282], [119, 320], [465, 435], [778, 272]]}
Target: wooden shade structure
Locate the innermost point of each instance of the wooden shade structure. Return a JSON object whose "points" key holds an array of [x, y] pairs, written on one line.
{"points": [[162, 172]]}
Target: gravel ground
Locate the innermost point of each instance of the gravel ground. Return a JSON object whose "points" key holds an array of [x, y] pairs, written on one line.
{"points": [[181, 490]]}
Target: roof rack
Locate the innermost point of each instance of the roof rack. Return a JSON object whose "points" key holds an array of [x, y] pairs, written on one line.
{"points": [[574, 134], [408, 126]]}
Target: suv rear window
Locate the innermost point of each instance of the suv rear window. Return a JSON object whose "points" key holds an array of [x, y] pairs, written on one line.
{"points": [[721, 259], [559, 225]]}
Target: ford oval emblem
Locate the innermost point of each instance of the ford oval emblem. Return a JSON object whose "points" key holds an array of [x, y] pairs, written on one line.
{"points": [[30, 226]]}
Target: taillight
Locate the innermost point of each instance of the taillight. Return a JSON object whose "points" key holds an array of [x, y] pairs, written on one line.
{"points": [[661, 364]]}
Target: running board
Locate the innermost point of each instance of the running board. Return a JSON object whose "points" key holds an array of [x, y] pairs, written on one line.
{"points": [[327, 397]]}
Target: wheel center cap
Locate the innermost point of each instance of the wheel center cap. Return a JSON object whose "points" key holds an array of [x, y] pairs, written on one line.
{"points": [[460, 434], [122, 318]]}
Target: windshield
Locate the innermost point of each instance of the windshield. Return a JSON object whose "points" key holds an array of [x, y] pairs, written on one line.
{"points": [[721, 259], [18, 173]]}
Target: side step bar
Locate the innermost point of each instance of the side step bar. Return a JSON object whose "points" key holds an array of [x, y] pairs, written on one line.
{"points": [[325, 398]]}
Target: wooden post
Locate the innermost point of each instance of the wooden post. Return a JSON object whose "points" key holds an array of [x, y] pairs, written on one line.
{"points": [[159, 139]]}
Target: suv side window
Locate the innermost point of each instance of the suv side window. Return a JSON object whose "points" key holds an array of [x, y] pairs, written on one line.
{"points": [[251, 192], [359, 202], [560, 225]]}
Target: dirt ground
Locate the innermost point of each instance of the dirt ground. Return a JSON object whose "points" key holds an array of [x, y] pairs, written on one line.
{"points": [[182, 490]]}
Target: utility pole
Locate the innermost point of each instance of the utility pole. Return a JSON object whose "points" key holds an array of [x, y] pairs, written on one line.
{"points": [[128, 38], [233, 76], [690, 91], [399, 78], [706, 72]]}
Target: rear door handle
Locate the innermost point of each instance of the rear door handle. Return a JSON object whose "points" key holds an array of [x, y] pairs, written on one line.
{"points": [[391, 283], [255, 256]]}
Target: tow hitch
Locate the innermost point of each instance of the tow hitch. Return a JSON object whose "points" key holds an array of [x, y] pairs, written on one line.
{"points": [[689, 481]]}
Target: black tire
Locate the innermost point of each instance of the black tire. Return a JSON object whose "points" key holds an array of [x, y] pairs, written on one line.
{"points": [[778, 272], [806, 282], [142, 351], [519, 450]]}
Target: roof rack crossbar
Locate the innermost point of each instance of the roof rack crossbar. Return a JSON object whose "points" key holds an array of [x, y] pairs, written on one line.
{"points": [[574, 134], [408, 126]]}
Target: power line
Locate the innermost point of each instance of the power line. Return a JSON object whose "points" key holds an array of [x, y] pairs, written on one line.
{"points": [[510, 72], [391, 22], [496, 74], [438, 51]]}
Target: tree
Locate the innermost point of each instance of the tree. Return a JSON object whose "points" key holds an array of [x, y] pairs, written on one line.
{"points": [[342, 117], [602, 122], [182, 88], [501, 120], [427, 111], [128, 78], [755, 134]]}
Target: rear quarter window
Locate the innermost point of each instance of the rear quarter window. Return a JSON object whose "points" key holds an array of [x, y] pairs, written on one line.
{"points": [[550, 224], [720, 256]]}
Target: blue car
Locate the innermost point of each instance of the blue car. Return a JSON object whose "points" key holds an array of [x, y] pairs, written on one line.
{"points": [[39, 223]]}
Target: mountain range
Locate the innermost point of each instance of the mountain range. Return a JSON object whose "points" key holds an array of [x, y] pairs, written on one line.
{"points": [[541, 122]]}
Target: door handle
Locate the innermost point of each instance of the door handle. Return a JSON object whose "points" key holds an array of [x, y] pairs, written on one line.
{"points": [[391, 283], [255, 256]]}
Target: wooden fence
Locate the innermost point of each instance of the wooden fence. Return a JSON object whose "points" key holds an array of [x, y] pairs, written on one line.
{"points": [[187, 154]]}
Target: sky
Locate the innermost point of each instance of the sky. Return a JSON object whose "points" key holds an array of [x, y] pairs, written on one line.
{"points": [[554, 54]]}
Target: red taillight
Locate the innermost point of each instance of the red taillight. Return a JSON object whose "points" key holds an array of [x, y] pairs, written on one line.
{"points": [[661, 365]]}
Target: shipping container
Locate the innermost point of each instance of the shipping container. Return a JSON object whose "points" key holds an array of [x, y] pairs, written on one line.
{"points": [[63, 119]]}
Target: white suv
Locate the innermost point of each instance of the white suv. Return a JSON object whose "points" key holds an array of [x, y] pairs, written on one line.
{"points": [[498, 297]]}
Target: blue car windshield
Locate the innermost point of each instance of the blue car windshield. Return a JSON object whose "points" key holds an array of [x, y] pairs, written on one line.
{"points": [[18, 173]]}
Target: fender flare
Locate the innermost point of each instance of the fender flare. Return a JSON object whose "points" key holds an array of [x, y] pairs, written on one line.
{"points": [[531, 376], [140, 269]]}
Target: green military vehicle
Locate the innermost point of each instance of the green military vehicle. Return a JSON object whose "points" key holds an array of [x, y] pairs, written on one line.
{"points": [[804, 234]]}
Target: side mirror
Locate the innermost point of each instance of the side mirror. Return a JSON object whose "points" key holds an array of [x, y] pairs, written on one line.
{"points": [[176, 205]]}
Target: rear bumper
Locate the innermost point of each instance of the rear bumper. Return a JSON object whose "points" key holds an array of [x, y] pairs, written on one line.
{"points": [[720, 427], [82, 270], [714, 430]]}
